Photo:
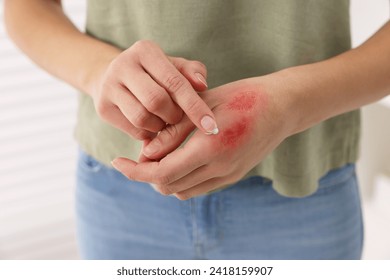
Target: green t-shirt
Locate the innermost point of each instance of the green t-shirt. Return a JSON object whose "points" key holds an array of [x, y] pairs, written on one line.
{"points": [[235, 39]]}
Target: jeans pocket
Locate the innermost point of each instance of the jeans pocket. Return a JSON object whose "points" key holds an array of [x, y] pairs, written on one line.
{"points": [[88, 163], [93, 175]]}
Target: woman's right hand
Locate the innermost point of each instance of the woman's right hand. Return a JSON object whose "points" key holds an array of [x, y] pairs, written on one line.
{"points": [[142, 90]]}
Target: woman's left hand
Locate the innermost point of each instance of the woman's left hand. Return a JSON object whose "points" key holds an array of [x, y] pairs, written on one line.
{"points": [[252, 122]]}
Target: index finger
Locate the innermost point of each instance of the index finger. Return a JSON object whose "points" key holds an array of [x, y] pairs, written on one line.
{"points": [[158, 66]]}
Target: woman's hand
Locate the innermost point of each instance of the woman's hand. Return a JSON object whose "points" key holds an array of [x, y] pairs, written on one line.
{"points": [[252, 123], [143, 90], [138, 90]]}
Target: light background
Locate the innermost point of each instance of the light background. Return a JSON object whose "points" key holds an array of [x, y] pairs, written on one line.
{"points": [[38, 153]]}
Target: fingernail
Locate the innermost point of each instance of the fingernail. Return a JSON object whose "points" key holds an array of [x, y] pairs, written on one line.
{"points": [[201, 78], [150, 150], [209, 125]]}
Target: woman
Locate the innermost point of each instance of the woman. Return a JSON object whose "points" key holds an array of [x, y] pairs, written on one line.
{"points": [[268, 174]]}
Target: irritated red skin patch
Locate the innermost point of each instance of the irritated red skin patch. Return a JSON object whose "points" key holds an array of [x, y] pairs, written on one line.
{"points": [[244, 101], [233, 135]]}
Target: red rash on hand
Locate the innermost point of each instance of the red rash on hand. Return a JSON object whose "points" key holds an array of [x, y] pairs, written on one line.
{"points": [[231, 136], [243, 102]]}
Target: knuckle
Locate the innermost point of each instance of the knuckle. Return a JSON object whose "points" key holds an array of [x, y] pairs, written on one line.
{"points": [[115, 67], [143, 47], [163, 180], [156, 100], [143, 44], [141, 134], [140, 118], [174, 82], [120, 97], [198, 65], [164, 189], [102, 110], [179, 63], [170, 133], [122, 61]]}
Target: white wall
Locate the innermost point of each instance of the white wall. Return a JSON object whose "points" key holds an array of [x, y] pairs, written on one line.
{"points": [[37, 173]]}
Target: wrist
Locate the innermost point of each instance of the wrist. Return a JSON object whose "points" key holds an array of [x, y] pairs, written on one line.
{"points": [[289, 87], [305, 94], [94, 75], [280, 88]]}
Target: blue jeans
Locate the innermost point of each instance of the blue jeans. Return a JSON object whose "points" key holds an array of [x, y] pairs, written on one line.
{"points": [[122, 219]]}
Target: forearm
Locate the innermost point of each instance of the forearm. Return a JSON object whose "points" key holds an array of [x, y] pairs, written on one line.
{"points": [[316, 92], [42, 31]]}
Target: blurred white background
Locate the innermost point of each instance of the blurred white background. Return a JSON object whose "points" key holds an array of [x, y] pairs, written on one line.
{"points": [[38, 153]]}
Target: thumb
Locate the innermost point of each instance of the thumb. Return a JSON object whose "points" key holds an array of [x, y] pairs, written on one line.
{"points": [[168, 139]]}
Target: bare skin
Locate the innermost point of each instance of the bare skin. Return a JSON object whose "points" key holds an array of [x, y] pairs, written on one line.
{"points": [[137, 90], [297, 98]]}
